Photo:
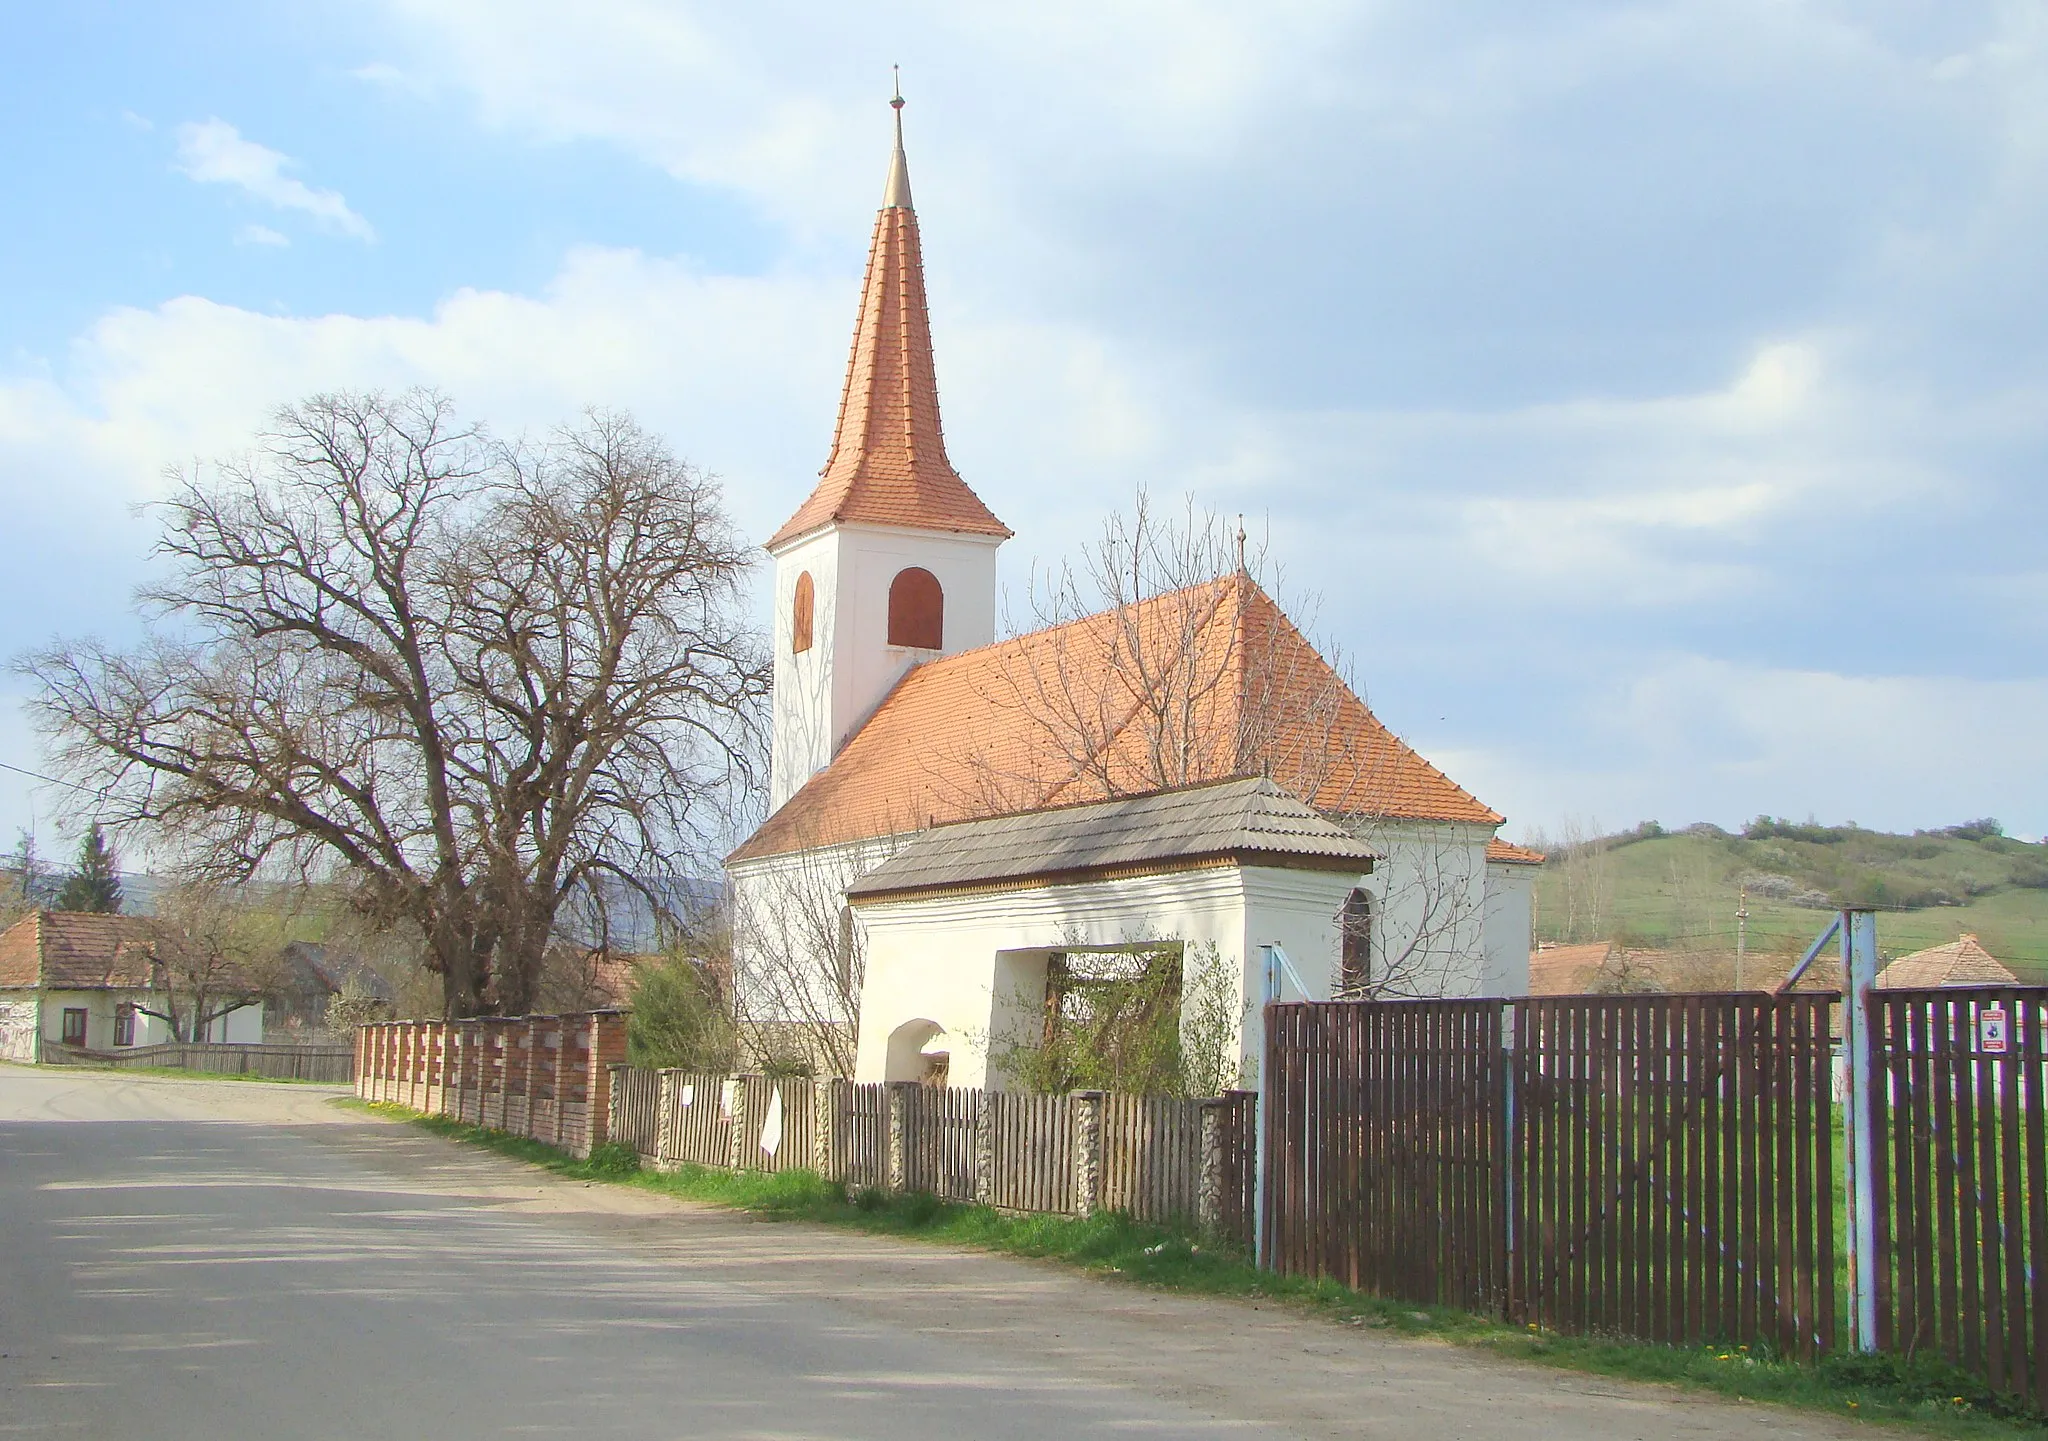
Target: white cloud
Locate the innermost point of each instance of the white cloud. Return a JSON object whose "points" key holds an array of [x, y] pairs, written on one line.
{"points": [[1696, 738], [214, 152], [260, 235]]}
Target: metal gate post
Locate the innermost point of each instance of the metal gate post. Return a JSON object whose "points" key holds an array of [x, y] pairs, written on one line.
{"points": [[1859, 969]]}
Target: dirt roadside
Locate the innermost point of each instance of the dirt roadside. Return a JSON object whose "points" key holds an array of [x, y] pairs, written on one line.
{"points": [[1227, 1358]]}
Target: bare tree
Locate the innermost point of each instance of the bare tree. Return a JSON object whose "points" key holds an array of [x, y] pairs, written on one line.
{"points": [[1162, 662], [210, 954], [1585, 868], [472, 679]]}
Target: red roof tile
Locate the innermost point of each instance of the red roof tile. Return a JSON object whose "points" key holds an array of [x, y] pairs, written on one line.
{"points": [[1504, 853], [888, 463], [1197, 685], [75, 950]]}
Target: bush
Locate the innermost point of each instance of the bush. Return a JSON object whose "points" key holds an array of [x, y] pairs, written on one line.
{"points": [[678, 1019]]}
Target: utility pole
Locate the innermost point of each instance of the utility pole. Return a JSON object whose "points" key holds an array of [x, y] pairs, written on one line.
{"points": [[1741, 933]]}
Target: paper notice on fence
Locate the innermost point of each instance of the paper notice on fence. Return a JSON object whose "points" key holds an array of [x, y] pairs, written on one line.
{"points": [[725, 1093], [689, 1093], [771, 1124]]}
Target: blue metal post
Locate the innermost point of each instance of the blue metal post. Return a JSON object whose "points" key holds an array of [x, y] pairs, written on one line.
{"points": [[1859, 972]]}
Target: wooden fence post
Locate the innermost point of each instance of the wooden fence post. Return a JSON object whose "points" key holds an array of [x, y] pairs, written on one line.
{"points": [[1087, 1151], [897, 1177]]}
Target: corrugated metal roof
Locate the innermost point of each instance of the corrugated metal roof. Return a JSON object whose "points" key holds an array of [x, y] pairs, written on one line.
{"points": [[1251, 819]]}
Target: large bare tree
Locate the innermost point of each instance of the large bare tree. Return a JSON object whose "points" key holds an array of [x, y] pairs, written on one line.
{"points": [[472, 680]]}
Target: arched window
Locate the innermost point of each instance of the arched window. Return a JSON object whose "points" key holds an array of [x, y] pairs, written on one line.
{"points": [[1355, 921], [917, 610], [800, 615]]}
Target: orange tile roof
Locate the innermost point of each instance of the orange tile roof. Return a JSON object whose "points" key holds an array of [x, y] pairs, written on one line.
{"points": [[1197, 685], [76, 950], [1962, 962], [1507, 854], [888, 463]]}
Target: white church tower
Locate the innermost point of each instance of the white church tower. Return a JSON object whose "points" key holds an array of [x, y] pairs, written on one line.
{"points": [[892, 559]]}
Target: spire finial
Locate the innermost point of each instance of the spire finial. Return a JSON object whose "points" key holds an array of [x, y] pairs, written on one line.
{"points": [[896, 195], [1240, 543]]}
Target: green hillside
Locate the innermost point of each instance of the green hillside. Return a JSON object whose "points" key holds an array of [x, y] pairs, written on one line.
{"points": [[1680, 890]]}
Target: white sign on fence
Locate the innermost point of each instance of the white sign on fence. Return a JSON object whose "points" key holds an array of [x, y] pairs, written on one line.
{"points": [[689, 1093], [771, 1124], [1991, 1032]]}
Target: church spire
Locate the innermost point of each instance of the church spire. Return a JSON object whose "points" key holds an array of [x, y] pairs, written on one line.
{"points": [[888, 463]]}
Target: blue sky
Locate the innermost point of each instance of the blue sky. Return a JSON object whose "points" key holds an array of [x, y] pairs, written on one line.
{"points": [[1652, 394]]}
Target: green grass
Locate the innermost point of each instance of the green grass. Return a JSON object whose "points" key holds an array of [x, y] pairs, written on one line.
{"points": [[1682, 889], [1925, 1395]]}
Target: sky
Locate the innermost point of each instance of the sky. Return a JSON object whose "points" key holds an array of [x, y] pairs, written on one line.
{"points": [[1647, 399]]}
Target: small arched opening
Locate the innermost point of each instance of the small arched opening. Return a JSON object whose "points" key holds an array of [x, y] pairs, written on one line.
{"points": [[917, 610], [916, 1053], [1354, 924], [800, 614]]}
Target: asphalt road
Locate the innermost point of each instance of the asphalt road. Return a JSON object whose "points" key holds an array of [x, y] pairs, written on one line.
{"points": [[224, 1260]]}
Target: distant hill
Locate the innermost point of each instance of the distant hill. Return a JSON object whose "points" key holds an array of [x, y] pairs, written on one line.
{"points": [[1680, 890]]}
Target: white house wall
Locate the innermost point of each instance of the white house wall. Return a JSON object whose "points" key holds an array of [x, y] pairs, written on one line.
{"points": [[242, 1026], [18, 1027]]}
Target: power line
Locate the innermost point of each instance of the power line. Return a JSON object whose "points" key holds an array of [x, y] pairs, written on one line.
{"points": [[52, 780]]}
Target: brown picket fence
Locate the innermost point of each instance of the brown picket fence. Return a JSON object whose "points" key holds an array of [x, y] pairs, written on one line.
{"points": [[1957, 1097], [1031, 1145], [1651, 1166]]}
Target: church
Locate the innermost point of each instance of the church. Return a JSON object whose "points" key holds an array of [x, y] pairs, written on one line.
{"points": [[961, 824]]}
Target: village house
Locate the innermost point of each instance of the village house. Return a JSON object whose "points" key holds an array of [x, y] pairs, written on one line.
{"points": [[82, 981], [956, 817], [1962, 962]]}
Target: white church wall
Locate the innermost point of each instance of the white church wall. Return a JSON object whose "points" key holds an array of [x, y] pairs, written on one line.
{"points": [[824, 694], [1508, 930], [802, 739], [1298, 910], [786, 929], [1429, 906]]}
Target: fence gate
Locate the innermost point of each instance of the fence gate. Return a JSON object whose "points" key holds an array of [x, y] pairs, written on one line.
{"points": [[1384, 1131], [1673, 1172], [1960, 1188]]}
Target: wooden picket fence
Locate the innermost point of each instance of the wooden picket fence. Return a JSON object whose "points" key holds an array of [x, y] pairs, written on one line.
{"points": [[333, 1065], [1154, 1158], [1651, 1166], [1959, 1097]]}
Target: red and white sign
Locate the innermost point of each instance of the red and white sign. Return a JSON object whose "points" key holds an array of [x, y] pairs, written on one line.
{"points": [[1991, 1032]]}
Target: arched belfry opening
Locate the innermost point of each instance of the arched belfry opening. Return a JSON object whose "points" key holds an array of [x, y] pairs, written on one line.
{"points": [[917, 610], [800, 608]]}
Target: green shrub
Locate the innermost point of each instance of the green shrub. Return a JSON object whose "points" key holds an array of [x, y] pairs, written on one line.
{"points": [[678, 1019]]}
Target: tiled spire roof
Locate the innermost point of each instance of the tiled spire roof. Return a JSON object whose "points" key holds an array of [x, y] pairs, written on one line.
{"points": [[888, 464]]}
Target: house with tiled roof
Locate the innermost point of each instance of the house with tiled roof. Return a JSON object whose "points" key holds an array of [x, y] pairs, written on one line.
{"points": [[1962, 962], [83, 981], [908, 737]]}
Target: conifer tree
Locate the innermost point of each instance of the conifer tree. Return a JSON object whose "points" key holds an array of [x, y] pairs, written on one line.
{"points": [[96, 884]]}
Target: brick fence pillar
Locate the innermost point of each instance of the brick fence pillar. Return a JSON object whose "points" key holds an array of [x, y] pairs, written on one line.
{"points": [[607, 1050], [1087, 1151]]}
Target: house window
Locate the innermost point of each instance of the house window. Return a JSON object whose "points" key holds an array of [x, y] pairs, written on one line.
{"points": [[1355, 922], [74, 1026], [917, 610], [800, 614], [124, 1024]]}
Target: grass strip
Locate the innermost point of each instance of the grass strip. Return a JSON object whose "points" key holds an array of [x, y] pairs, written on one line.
{"points": [[1924, 1394]]}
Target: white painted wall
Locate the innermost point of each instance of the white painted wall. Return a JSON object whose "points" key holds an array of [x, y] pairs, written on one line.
{"points": [[18, 1027], [973, 964], [1429, 905], [240, 1027], [824, 695], [1509, 890]]}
